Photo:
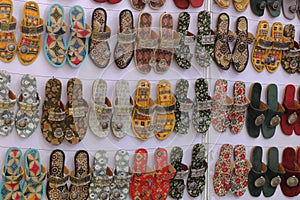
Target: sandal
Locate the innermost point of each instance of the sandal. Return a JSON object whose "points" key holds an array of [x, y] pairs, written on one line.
{"points": [[240, 105], [164, 118], [223, 3], [274, 173], [35, 175], [182, 107], [291, 57], [222, 53], [57, 177], [258, 7], [182, 4], [240, 5], [168, 41], [142, 179], [222, 107], [177, 185], [202, 107], [53, 116], [55, 47], [256, 112], [32, 27], [7, 102], [261, 46], [280, 43], [12, 175], [76, 112], [142, 125], [223, 170], [196, 178], [8, 25], [101, 177], [240, 53], [78, 42], [141, 4], [289, 8], [274, 112], [163, 173], [99, 49], [257, 174], [205, 43], [120, 186], [27, 117], [242, 166], [147, 41], [80, 176], [126, 40], [274, 7], [123, 105], [182, 53], [100, 110]]}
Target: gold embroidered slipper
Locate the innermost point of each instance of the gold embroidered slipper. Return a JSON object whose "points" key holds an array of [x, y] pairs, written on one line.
{"points": [[126, 40], [8, 25], [164, 119], [144, 107], [32, 27], [99, 48]]}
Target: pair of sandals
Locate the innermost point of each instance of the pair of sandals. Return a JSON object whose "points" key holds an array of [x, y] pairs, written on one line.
{"points": [[274, 7], [240, 6], [11, 186], [58, 176], [152, 50], [240, 54], [27, 116], [267, 51], [32, 27], [61, 122]]}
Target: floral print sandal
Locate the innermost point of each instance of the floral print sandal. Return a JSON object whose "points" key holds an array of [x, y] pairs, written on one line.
{"points": [[280, 43], [168, 41], [126, 40], [32, 27], [78, 42], [53, 116], [8, 26], [100, 109], [291, 57], [163, 173], [202, 106], [196, 178], [7, 102], [35, 175], [27, 117], [57, 177], [240, 54], [183, 54], [223, 170], [99, 48], [120, 185], [182, 107], [164, 118], [123, 105], [177, 185], [80, 176], [55, 47], [204, 50], [222, 107], [101, 177], [142, 125], [147, 41], [240, 105], [76, 112], [12, 175]]}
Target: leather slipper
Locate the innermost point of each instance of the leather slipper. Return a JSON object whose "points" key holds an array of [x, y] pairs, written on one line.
{"points": [[274, 7], [258, 7], [99, 49], [274, 172], [274, 112], [290, 117], [126, 40], [76, 112], [257, 174], [289, 8], [256, 112]]}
